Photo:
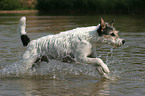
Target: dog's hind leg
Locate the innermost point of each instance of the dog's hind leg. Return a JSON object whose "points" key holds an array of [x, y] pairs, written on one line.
{"points": [[43, 58], [68, 58], [28, 59], [38, 60], [30, 56]]}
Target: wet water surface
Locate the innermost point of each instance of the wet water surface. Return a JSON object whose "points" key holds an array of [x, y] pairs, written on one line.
{"points": [[126, 63]]}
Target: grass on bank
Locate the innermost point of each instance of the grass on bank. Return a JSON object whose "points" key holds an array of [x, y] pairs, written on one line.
{"points": [[100, 6]]}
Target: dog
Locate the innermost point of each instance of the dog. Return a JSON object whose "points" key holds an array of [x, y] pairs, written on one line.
{"points": [[76, 45]]}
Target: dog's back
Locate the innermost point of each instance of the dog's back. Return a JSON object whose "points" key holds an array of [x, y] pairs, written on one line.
{"points": [[78, 33], [64, 43]]}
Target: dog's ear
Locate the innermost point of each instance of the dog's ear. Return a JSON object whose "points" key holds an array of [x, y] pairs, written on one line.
{"points": [[102, 23], [102, 27], [112, 22]]}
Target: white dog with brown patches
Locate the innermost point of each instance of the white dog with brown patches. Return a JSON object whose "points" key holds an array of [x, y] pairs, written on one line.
{"points": [[77, 45]]}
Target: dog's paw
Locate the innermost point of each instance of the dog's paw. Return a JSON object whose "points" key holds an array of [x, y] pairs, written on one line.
{"points": [[99, 69], [102, 73], [105, 76], [105, 68]]}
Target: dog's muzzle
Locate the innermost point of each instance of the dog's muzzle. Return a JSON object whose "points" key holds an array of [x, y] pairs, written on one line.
{"points": [[119, 43]]}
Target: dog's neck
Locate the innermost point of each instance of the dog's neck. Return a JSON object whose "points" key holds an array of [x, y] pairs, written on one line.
{"points": [[94, 36]]}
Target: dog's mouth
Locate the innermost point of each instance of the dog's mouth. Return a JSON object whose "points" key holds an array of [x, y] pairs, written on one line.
{"points": [[118, 44], [114, 46], [115, 43]]}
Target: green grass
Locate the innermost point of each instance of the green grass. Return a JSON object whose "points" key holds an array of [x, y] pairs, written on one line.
{"points": [[99, 6], [102, 6]]}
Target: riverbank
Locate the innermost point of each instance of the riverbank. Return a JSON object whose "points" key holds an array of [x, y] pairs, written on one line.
{"points": [[74, 6], [19, 11]]}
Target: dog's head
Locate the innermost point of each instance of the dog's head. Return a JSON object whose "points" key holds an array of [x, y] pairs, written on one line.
{"points": [[108, 34]]}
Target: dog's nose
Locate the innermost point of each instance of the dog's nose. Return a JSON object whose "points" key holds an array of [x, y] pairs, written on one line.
{"points": [[123, 41]]}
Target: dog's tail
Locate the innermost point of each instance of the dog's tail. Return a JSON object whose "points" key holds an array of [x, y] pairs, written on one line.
{"points": [[22, 33]]}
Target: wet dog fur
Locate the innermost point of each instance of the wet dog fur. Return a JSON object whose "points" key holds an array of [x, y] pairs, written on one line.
{"points": [[76, 45]]}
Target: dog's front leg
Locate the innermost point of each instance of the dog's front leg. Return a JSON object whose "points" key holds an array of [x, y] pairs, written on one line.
{"points": [[96, 61], [101, 67], [93, 52], [83, 51]]}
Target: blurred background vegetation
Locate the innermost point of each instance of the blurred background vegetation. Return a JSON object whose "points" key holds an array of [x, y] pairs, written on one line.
{"points": [[18, 4], [98, 6]]}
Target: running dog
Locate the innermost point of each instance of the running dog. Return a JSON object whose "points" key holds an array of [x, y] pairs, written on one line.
{"points": [[76, 45]]}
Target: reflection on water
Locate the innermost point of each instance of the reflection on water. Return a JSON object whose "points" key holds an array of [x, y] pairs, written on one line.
{"points": [[38, 87], [56, 78]]}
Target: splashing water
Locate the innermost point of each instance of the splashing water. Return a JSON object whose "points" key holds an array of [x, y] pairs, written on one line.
{"points": [[107, 57], [53, 70], [109, 61]]}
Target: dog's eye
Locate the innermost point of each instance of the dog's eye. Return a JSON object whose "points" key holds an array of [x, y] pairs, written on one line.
{"points": [[112, 34]]}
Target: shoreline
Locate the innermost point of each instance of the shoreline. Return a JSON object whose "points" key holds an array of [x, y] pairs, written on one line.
{"points": [[62, 12], [19, 11]]}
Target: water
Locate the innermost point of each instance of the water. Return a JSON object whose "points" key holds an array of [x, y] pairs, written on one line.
{"points": [[126, 63]]}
